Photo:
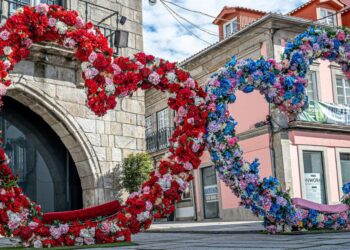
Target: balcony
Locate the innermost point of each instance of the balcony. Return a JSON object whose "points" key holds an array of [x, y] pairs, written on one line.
{"points": [[158, 140], [87, 9]]}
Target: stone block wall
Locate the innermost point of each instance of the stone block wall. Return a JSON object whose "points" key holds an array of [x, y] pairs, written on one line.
{"points": [[50, 83]]}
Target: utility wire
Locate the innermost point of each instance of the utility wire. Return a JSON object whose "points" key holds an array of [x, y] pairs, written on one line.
{"points": [[188, 21], [183, 26]]}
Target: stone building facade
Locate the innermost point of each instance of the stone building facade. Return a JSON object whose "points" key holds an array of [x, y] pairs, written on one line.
{"points": [[290, 151], [49, 85]]}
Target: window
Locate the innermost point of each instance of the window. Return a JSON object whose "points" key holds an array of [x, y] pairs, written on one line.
{"points": [[343, 90], [210, 193], [187, 194], [234, 25], [328, 17], [345, 167], [15, 4], [148, 125], [227, 30], [231, 27], [311, 89], [162, 119], [314, 180]]}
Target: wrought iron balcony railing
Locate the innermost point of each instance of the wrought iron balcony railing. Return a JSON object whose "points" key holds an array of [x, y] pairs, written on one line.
{"points": [[158, 140], [86, 8]]}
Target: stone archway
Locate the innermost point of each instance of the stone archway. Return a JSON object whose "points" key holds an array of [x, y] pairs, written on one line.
{"points": [[71, 135]]}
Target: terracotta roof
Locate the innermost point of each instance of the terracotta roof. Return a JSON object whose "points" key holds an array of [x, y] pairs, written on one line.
{"points": [[345, 2], [242, 31], [237, 8]]}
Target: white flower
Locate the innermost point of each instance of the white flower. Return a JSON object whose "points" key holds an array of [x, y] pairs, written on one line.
{"points": [[110, 89], [84, 233], [19, 10], [38, 244], [171, 77], [14, 220], [2, 205], [85, 65], [143, 216], [61, 27], [7, 50], [246, 166], [79, 241], [165, 182], [114, 228]]}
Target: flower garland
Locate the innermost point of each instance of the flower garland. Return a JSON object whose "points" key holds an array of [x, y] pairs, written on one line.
{"points": [[283, 84], [105, 79]]}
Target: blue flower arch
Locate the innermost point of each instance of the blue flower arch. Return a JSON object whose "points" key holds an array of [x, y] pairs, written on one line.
{"points": [[282, 84]]}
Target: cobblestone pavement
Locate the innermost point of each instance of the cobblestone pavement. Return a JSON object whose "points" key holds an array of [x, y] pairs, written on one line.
{"points": [[226, 235], [240, 241]]}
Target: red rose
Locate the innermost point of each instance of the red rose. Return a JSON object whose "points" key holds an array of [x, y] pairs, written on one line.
{"points": [[26, 233]]}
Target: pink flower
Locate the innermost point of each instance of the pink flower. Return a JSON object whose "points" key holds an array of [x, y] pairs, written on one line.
{"points": [[105, 227], [182, 112], [92, 57], [188, 166], [341, 35], [89, 241], [42, 8], [154, 78], [212, 106], [28, 42], [32, 225], [149, 205], [52, 22], [4, 35], [190, 83], [146, 189], [271, 229], [190, 120], [116, 68], [90, 73], [195, 147], [232, 141], [64, 228], [79, 22], [55, 232]]}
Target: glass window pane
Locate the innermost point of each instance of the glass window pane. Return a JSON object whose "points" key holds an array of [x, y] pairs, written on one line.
{"points": [[234, 25], [314, 180], [311, 89], [341, 100], [163, 119], [227, 30], [345, 167], [148, 125], [210, 193]]}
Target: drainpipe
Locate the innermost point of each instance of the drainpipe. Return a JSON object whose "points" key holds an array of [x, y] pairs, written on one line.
{"points": [[194, 199]]}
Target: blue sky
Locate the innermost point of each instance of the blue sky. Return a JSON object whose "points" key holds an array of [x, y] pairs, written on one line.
{"points": [[165, 38]]}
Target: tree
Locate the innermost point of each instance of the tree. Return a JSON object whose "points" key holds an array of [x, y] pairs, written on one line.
{"points": [[136, 170]]}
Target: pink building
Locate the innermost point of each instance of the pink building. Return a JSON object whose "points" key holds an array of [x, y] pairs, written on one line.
{"points": [[311, 156]]}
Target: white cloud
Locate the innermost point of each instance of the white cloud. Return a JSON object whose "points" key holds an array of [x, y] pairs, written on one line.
{"points": [[165, 38]]}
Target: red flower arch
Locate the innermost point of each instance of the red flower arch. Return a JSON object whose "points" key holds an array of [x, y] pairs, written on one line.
{"points": [[106, 78]]}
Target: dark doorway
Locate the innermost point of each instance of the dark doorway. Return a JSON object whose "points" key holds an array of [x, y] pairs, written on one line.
{"points": [[47, 174]]}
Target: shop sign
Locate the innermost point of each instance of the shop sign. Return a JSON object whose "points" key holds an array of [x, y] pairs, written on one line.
{"points": [[313, 187]]}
